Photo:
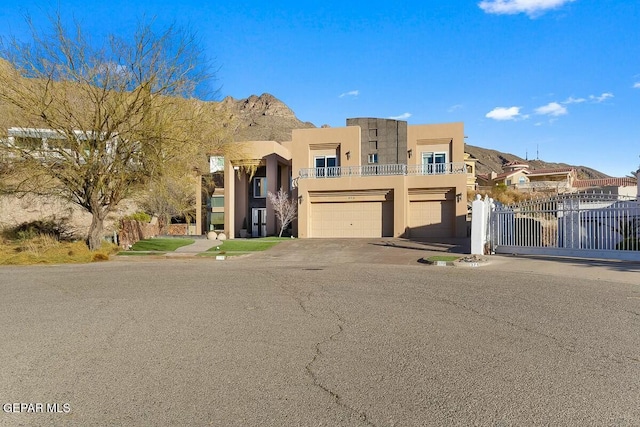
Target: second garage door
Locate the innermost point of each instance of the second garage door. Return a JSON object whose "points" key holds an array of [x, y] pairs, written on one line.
{"points": [[431, 218], [355, 219]]}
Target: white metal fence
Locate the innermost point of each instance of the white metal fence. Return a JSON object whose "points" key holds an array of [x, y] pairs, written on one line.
{"points": [[578, 225]]}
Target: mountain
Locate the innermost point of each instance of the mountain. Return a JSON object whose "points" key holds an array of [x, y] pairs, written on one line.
{"points": [[262, 117]]}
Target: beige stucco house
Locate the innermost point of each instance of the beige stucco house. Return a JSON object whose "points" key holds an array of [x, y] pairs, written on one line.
{"points": [[519, 176], [470, 164], [371, 178]]}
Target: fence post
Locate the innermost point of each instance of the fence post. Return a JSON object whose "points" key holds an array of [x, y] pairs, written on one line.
{"points": [[479, 218]]}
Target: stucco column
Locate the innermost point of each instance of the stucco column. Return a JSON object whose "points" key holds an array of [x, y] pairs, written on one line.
{"points": [[229, 200], [272, 184], [303, 208], [400, 208]]}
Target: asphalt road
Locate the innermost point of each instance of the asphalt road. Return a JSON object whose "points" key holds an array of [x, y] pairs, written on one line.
{"points": [[270, 340]]}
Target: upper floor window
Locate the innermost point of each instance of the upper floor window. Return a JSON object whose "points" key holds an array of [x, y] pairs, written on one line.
{"points": [[259, 187], [372, 158], [434, 162], [326, 166]]}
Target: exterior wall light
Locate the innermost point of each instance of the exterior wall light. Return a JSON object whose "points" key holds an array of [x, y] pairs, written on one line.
{"points": [[348, 154], [410, 152]]}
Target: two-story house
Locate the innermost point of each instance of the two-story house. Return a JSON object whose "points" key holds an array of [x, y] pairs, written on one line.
{"points": [[372, 178]]}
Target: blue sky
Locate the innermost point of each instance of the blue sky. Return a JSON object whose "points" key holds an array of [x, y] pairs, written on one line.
{"points": [[561, 77]]}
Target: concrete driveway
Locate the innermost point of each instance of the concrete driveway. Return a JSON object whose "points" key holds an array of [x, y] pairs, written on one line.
{"points": [[325, 337]]}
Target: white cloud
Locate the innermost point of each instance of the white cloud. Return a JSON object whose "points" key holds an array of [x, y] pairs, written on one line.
{"points": [[502, 113], [636, 85], [401, 116], [572, 100], [602, 97], [454, 108], [353, 93], [552, 109], [532, 8]]}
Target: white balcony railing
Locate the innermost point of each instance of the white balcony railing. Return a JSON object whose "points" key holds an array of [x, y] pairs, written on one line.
{"points": [[384, 170]]}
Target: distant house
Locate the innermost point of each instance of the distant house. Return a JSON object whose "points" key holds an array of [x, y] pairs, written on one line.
{"points": [[559, 180], [617, 186], [470, 164], [519, 176], [513, 175]]}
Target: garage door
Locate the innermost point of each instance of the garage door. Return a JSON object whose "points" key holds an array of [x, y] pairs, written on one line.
{"points": [[431, 218], [355, 219]]}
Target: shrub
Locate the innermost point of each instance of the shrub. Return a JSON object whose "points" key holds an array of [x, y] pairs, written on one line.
{"points": [[503, 194], [99, 256], [54, 228], [138, 216]]}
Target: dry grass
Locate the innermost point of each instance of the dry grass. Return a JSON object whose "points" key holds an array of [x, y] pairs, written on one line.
{"points": [[506, 196], [45, 249]]}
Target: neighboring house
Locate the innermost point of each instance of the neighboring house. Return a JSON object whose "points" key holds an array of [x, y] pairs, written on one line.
{"points": [[616, 186], [371, 178], [470, 164], [559, 180], [518, 176]]}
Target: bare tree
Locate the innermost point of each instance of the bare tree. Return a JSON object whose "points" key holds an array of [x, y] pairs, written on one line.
{"points": [[286, 209], [93, 122]]}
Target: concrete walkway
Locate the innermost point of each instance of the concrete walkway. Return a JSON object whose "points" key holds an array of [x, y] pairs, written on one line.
{"points": [[199, 246]]}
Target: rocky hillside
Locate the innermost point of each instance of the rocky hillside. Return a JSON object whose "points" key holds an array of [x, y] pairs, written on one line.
{"points": [[262, 117], [492, 160]]}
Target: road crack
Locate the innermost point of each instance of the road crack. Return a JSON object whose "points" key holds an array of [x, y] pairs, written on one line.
{"points": [[362, 416], [303, 304]]}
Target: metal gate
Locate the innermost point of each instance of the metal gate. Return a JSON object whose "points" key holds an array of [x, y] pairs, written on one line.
{"points": [[576, 225]]}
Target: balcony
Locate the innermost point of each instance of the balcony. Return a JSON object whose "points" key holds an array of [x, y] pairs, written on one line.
{"points": [[457, 168]]}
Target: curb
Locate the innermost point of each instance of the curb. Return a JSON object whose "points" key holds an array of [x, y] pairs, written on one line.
{"points": [[480, 262]]}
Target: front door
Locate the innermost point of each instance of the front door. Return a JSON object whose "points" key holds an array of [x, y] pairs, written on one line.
{"points": [[259, 222]]}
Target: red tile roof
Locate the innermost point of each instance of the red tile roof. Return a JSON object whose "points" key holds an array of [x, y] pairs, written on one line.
{"points": [[606, 182], [508, 174]]}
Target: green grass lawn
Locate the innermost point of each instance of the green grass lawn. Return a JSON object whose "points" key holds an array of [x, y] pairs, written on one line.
{"points": [[240, 247], [443, 258], [164, 245]]}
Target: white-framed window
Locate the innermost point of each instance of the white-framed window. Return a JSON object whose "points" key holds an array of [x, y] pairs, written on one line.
{"points": [[372, 158], [434, 162], [259, 187], [326, 166]]}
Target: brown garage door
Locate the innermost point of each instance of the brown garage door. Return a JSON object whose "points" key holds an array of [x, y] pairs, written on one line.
{"points": [[431, 218], [348, 219]]}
